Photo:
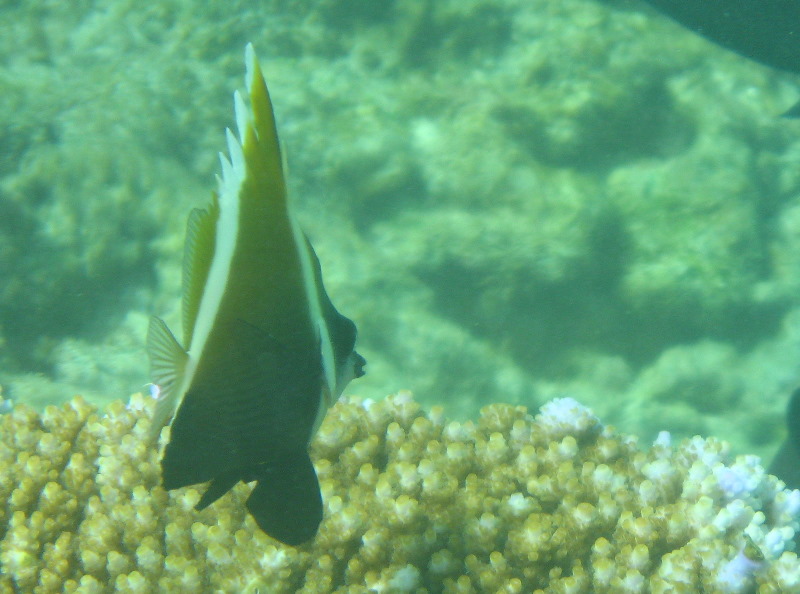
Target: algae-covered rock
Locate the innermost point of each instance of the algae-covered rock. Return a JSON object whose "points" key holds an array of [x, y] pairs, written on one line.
{"points": [[515, 199]]}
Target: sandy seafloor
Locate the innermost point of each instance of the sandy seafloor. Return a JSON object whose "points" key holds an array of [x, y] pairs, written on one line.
{"points": [[514, 200]]}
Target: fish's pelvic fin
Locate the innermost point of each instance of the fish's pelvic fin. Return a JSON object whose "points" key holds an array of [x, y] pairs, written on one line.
{"points": [[218, 487], [286, 501], [167, 366]]}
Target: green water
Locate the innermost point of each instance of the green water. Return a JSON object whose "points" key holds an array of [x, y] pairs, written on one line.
{"points": [[513, 200]]}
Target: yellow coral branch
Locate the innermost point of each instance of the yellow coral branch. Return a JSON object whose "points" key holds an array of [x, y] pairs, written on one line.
{"points": [[413, 503]]}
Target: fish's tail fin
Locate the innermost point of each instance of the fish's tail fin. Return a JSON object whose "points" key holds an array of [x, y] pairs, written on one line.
{"points": [[286, 502]]}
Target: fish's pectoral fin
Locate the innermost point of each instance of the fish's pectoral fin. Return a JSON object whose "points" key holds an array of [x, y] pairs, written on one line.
{"points": [[218, 487], [286, 502], [167, 365]]}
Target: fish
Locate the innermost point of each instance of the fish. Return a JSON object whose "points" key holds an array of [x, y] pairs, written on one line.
{"points": [[786, 463], [767, 31], [264, 353]]}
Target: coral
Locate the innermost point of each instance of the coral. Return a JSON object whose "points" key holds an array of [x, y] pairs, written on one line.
{"points": [[413, 503]]}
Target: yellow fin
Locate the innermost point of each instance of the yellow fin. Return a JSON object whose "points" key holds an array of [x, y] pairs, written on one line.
{"points": [[167, 366], [261, 136], [197, 256]]}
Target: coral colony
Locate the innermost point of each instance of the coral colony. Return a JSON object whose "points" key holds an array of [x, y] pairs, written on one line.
{"points": [[413, 503]]}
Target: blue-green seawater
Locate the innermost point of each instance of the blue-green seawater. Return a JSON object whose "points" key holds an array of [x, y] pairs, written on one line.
{"points": [[514, 200]]}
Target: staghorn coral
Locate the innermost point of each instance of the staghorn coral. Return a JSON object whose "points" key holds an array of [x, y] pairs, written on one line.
{"points": [[414, 503]]}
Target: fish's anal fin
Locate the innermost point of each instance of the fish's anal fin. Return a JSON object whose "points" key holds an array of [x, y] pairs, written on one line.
{"points": [[286, 502], [167, 367]]}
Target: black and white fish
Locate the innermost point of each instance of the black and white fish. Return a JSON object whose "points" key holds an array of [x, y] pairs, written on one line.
{"points": [[264, 351], [786, 463], [767, 31]]}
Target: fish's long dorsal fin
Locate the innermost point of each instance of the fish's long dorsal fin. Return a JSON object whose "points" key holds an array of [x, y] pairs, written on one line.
{"points": [[263, 124], [167, 367], [198, 253]]}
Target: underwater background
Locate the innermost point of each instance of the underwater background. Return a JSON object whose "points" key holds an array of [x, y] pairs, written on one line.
{"points": [[513, 200]]}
